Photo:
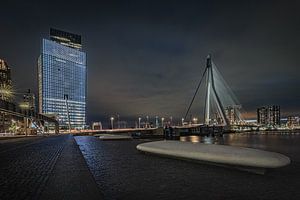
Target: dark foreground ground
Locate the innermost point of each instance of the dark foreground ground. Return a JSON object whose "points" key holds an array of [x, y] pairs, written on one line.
{"points": [[54, 168], [123, 173], [44, 168]]}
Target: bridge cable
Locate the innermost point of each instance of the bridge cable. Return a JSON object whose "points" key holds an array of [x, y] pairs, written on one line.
{"points": [[188, 110]]}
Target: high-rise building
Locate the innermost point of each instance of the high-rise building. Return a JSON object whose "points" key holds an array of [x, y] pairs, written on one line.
{"points": [[62, 79], [293, 122], [268, 115], [262, 115], [5, 81]]}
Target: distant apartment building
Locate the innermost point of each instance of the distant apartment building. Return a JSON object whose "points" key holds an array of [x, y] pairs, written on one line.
{"points": [[293, 122], [27, 103], [62, 79], [268, 115], [5, 81], [233, 114]]}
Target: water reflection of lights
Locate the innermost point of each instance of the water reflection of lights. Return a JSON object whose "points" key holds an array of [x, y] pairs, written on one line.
{"points": [[251, 140], [202, 139], [192, 138], [207, 140]]}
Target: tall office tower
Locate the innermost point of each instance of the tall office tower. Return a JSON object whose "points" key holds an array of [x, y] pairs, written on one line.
{"points": [[5, 81], [62, 79], [269, 115]]}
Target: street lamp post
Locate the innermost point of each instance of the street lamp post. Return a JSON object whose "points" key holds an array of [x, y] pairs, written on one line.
{"points": [[162, 121], [140, 122], [147, 123], [118, 121], [112, 122]]}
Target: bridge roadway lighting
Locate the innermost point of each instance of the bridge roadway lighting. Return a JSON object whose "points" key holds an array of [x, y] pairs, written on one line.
{"points": [[140, 122], [182, 121], [112, 122]]}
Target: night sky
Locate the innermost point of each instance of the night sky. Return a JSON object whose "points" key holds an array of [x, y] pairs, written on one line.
{"points": [[146, 57]]}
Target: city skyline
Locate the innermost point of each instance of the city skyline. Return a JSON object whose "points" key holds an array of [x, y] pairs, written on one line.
{"points": [[142, 63]]}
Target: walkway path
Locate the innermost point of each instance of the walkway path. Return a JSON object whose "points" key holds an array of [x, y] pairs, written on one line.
{"points": [[45, 168]]}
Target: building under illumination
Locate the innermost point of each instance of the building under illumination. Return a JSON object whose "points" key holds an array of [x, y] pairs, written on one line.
{"points": [[293, 122], [62, 78], [5, 81], [232, 113], [268, 115]]}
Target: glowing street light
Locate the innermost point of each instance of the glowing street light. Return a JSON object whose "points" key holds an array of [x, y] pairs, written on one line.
{"points": [[162, 121], [147, 123], [24, 105], [112, 122], [140, 122], [195, 120], [6, 92], [156, 121]]}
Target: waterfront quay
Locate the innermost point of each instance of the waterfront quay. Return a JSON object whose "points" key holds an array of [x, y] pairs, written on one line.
{"points": [[84, 167]]}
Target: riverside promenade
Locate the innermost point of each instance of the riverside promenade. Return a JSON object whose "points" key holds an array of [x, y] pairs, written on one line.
{"points": [[45, 168]]}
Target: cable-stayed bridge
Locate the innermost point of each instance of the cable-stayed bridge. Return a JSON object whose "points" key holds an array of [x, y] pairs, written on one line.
{"points": [[220, 106]]}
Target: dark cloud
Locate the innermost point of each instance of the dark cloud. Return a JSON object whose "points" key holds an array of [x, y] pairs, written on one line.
{"points": [[146, 57]]}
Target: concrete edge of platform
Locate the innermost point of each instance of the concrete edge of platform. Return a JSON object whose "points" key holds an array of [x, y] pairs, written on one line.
{"points": [[252, 160], [114, 137], [87, 167]]}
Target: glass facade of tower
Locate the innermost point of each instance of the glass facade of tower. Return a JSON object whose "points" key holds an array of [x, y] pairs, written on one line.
{"points": [[62, 74]]}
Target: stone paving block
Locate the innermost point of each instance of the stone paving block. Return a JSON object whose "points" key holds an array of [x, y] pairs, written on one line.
{"points": [[29, 166]]}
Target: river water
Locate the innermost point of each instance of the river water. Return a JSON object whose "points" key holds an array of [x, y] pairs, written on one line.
{"points": [[124, 173]]}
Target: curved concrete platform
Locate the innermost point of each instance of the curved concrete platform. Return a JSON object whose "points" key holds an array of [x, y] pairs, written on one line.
{"points": [[114, 137], [219, 154]]}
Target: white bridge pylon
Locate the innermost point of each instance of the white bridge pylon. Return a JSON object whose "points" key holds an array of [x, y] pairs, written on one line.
{"points": [[211, 90], [221, 107]]}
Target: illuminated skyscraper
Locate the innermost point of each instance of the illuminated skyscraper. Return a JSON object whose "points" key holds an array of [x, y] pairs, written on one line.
{"points": [[5, 81], [62, 74]]}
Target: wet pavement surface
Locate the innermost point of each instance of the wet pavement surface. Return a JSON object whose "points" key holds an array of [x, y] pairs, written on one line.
{"points": [[124, 173], [44, 168], [26, 164]]}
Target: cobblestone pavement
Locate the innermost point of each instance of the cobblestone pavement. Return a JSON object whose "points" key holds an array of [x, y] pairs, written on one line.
{"points": [[14, 143], [124, 173], [71, 178], [26, 165]]}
